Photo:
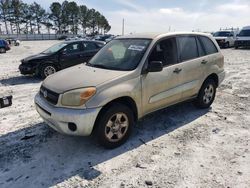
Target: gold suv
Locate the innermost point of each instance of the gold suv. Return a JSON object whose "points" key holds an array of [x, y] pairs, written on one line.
{"points": [[129, 78]]}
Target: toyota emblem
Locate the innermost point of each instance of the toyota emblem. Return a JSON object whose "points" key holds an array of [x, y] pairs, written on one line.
{"points": [[45, 94]]}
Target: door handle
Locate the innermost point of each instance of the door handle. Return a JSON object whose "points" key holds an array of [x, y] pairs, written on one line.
{"points": [[177, 70], [204, 62]]}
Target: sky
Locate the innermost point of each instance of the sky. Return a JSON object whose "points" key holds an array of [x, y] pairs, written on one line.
{"points": [[168, 15]]}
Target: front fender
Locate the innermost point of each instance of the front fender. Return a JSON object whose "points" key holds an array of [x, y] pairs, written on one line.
{"points": [[113, 91]]}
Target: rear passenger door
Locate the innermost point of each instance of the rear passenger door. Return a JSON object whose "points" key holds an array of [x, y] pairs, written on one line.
{"points": [[191, 65]]}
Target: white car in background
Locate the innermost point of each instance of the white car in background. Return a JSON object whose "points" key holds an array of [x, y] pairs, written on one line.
{"points": [[225, 39], [243, 38]]}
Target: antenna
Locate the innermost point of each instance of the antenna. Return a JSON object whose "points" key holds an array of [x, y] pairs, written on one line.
{"points": [[123, 26]]}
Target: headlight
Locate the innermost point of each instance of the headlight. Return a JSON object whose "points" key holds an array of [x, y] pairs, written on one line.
{"points": [[77, 97]]}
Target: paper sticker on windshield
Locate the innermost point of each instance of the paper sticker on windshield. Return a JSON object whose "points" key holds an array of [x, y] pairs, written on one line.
{"points": [[137, 48]]}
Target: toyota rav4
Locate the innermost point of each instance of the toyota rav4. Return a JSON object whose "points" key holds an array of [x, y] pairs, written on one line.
{"points": [[129, 78]]}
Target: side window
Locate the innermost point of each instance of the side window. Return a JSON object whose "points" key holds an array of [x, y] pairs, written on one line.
{"points": [[165, 51], [201, 49], [72, 48], [89, 46], [209, 45], [187, 48]]}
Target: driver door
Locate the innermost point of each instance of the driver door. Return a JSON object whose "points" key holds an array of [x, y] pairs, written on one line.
{"points": [[161, 89]]}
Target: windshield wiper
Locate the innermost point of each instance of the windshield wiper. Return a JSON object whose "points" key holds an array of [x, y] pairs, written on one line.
{"points": [[100, 66]]}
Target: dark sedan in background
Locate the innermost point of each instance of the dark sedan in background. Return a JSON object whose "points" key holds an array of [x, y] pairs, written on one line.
{"points": [[59, 56]]}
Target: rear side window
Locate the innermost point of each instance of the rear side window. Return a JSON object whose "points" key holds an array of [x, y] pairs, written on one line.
{"points": [[187, 48], [209, 46]]}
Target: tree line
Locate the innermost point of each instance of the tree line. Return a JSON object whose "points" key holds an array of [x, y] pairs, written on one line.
{"points": [[18, 17]]}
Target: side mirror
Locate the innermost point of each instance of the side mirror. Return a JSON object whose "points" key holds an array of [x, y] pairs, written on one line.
{"points": [[155, 66]]}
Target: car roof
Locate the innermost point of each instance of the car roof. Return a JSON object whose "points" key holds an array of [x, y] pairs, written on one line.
{"points": [[160, 35], [82, 40], [246, 28]]}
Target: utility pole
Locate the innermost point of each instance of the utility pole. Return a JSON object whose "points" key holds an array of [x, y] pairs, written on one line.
{"points": [[123, 25]]}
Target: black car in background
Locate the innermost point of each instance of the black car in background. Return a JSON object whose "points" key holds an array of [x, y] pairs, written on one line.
{"points": [[59, 56]]}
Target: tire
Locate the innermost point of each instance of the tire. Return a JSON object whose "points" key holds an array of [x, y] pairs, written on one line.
{"points": [[2, 50], [206, 94], [236, 47], [108, 132], [227, 45], [47, 70]]}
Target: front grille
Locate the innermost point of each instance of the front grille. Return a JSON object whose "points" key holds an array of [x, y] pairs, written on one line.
{"points": [[243, 42], [50, 96]]}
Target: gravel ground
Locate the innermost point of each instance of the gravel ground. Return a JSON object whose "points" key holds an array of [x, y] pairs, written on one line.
{"points": [[180, 146]]}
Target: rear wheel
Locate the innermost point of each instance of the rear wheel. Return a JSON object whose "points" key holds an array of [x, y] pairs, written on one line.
{"points": [[47, 70], [206, 95], [227, 45], [114, 126], [2, 50]]}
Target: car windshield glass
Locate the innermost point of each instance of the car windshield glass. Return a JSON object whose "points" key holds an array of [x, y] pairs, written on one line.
{"points": [[54, 48], [222, 34], [245, 33], [120, 54]]}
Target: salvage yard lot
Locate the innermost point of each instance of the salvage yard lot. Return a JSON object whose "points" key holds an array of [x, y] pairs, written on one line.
{"points": [[180, 146]]}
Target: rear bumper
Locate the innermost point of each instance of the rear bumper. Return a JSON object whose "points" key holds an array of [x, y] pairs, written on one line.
{"points": [[25, 69], [59, 118], [221, 77]]}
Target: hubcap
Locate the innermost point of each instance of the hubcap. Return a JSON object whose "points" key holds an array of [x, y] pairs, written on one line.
{"points": [[116, 127], [208, 94], [49, 70]]}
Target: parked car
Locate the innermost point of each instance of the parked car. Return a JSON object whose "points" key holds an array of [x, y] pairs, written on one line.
{"points": [[4, 46], [129, 78], [110, 39], [13, 41], [102, 37], [59, 56], [63, 37], [243, 39], [225, 39]]}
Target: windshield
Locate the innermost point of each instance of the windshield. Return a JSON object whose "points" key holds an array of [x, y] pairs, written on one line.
{"points": [[120, 54], [55, 48], [222, 34], [245, 33]]}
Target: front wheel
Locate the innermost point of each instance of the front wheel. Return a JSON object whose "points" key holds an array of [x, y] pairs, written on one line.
{"points": [[47, 70], [2, 50], [206, 95], [114, 126]]}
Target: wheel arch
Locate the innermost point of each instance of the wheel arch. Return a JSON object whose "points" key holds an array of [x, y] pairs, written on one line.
{"points": [[213, 77], [126, 100]]}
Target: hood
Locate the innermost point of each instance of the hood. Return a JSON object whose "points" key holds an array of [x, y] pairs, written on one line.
{"points": [[35, 57], [80, 76], [220, 38]]}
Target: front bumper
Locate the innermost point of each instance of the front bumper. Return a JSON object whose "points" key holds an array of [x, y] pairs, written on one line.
{"points": [[242, 43], [59, 118], [25, 69], [221, 77], [221, 43]]}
